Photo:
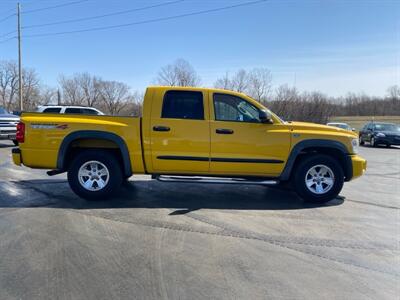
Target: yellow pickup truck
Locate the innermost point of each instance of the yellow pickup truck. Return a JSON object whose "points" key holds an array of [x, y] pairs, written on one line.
{"points": [[194, 135]]}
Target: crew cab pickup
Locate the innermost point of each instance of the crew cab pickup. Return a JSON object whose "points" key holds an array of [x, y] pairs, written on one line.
{"points": [[190, 135]]}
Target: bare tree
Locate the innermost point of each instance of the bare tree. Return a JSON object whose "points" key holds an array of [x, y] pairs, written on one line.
{"points": [[224, 82], [260, 83], [180, 73], [9, 86], [80, 89], [90, 86], [257, 83], [115, 95], [48, 96], [30, 89], [393, 92], [8, 83], [71, 91], [240, 81]]}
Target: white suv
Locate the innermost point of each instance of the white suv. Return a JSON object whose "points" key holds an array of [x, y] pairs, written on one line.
{"points": [[60, 109]]}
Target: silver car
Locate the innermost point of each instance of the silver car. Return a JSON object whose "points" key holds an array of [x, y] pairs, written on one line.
{"points": [[8, 125]]}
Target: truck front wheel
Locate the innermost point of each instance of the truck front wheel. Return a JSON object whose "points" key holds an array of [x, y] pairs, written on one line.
{"points": [[318, 178], [94, 175]]}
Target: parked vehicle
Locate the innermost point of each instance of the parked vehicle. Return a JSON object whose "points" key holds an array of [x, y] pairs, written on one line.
{"points": [[377, 133], [8, 126], [62, 109], [191, 135], [344, 126]]}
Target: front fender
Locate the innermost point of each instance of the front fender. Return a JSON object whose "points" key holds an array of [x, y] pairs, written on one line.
{"points": [[302, 146]]}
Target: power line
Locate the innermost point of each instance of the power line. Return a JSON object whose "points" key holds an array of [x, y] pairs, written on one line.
{"points": [[6, 12], [8, 33], [53, 7], [9, 39], [147, 21], [6, 18], [103, 16]]}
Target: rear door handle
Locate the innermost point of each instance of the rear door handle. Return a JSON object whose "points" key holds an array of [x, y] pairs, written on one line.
{"points": [[161, 128], [224, 131]]}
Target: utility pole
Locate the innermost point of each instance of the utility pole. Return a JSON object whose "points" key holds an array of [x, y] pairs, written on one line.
{"points": [[21, 105], [58, 97]]}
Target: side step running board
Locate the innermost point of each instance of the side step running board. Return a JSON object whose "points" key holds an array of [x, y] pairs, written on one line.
{"points": [[220, 180]]}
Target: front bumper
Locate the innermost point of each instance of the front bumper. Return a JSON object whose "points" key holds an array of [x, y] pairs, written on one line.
{"points": [[16, 156], [389, 140], [7, 135], [359, 165], [7, 132]]}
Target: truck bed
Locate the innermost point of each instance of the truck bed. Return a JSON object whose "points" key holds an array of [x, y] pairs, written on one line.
{"points": [[44, 134]]}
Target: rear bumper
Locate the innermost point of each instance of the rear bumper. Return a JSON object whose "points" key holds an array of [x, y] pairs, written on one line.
{"points": [[16, 156], [359, 165]]}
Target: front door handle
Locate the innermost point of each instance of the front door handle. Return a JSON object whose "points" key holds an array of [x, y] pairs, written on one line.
{"points": [[224, 131], [161, 128]]}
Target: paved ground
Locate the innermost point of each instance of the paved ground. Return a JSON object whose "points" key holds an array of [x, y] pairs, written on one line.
{"points": [[183, 241]]}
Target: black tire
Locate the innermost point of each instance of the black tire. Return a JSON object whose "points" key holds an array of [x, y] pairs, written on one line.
{"points": [[112, 166], [15, 142], [373, 142], [300, 172], [388, 145], [361, 141]]}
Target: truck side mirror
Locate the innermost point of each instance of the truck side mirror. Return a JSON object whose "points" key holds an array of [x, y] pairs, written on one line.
{"points": [[265, 117]]}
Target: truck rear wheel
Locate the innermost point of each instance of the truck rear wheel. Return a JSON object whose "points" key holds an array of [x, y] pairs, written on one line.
{"points": [[94, 175], [318, 178]]}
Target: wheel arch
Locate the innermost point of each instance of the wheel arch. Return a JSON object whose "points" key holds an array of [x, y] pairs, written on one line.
{"points": [[334, 149], [112, 138]]}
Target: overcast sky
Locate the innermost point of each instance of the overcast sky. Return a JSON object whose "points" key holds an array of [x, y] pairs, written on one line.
{"points": [[332, 46]]}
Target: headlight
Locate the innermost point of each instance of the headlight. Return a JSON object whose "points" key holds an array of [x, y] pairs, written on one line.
{"points": [[380, 134], [354, 144]]}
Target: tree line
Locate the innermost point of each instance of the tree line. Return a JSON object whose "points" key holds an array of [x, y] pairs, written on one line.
{"points": [[117, 98]]}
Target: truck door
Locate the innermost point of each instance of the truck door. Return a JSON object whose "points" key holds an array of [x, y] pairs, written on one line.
{"points": [[180, 132], [240, 143]]}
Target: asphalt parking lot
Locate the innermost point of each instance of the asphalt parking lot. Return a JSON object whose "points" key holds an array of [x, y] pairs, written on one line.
{"points": [[185, 241]]}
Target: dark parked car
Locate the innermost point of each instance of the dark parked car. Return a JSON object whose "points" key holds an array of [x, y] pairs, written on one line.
{"points": [[380, 134], [8, 125]]}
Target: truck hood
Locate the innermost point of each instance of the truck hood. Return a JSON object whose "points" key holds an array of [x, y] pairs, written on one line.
{"points": [[318, 127]]}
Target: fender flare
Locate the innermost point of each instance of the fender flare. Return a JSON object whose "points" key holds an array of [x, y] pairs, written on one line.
{"points": [[320, 143], [85, 134]]}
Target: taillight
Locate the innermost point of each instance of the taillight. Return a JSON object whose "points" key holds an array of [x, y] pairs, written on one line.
{"points": [[20, 136]]}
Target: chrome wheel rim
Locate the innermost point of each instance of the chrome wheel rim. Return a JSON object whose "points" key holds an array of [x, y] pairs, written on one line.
{"points": [[372, 141], [319, 179], [93, 176]]}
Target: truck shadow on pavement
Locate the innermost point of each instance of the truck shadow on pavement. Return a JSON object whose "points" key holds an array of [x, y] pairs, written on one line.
{"points": [[6, 145], [182, 197]]}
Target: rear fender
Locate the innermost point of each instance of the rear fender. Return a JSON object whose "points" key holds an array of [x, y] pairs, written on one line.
{"points": [[93, 134]]}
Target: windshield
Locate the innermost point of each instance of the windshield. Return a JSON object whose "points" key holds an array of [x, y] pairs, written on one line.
{"points": [[3, 111], [343, 126], [386, 127]]}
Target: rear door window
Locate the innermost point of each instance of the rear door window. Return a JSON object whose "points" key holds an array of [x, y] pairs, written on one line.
{"points": [[52, 110], [183, 105], [73, 110]]}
